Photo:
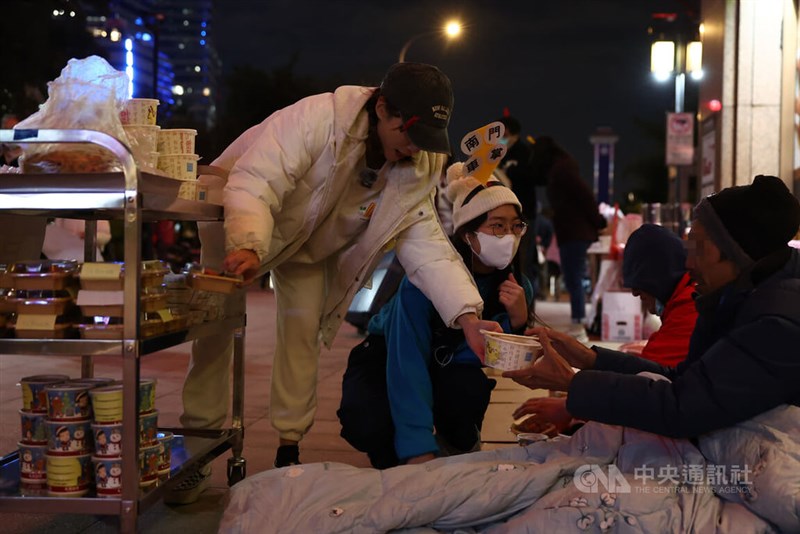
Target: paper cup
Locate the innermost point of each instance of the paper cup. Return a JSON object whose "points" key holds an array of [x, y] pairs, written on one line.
{"points": [[179, 166], [508, 352], [148, 428], [165, 460], [32, 426], [142, 139], [149, 460], [68, 476], [69, 438], [68, 402], [32, 463], [139, 112], [176, 141], [107, 476], [34, 397], [107, 439], [147, 395]]}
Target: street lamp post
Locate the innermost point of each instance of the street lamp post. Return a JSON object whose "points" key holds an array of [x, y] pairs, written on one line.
{"points": [[676, 57], [451, 30]]}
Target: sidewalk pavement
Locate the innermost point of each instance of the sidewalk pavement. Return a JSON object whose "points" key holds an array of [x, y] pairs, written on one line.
{"points": [[323, 442]]}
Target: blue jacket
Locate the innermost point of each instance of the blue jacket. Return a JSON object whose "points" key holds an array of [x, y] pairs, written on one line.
{"points": [[413, 337], [744, 359]]}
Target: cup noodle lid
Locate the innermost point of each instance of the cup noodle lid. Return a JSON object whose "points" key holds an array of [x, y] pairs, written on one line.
{"points": [[508, 352]]}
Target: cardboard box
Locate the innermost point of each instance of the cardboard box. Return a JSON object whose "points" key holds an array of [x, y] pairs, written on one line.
{"points": [[622, 317]]}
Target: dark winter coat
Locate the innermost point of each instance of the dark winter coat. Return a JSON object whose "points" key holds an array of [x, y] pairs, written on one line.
{"points": [[744, 359]]}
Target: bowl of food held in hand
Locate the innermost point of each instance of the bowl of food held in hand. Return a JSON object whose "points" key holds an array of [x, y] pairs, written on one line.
{"points": [[509, 352]]}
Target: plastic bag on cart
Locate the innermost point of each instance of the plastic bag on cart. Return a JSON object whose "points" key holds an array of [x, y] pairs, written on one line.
{"points": [[89, 94]]}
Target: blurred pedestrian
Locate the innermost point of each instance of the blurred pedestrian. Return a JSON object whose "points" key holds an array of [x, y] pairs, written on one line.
{"points": [[576, 219]]}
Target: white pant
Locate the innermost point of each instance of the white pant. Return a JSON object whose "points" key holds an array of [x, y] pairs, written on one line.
{"points": [[299, 293]]}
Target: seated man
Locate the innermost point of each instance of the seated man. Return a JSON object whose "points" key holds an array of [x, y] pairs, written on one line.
{"points": [[742, 359], [654, 268], [413, 374]]}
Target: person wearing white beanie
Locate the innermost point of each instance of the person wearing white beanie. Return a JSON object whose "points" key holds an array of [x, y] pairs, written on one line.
{"points": [[413, 374]]}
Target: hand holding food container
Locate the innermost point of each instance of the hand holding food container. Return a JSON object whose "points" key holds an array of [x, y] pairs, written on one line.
{"points": [[550, 371]]}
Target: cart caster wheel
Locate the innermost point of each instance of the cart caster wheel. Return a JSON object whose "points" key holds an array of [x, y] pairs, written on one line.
{"points": [[237, 470]]}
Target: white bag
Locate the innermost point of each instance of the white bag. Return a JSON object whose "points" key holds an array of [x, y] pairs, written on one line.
{"points": [[622, 317]]}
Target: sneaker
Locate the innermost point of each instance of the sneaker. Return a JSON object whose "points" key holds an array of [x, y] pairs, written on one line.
{"points": [[190, 488], [578, 331], [287, 455]]}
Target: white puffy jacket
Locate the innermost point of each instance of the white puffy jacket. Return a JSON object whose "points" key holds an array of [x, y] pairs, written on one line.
{"points": [[287, 175]]}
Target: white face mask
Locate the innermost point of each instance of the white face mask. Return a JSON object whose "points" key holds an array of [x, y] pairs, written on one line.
{"points": [[496, 252]]}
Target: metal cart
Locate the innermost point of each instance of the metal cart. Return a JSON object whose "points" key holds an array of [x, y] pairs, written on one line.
{"points": [[134, 197]]}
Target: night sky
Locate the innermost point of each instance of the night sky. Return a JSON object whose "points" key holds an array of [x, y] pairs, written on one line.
{"points": [[562, 67]]}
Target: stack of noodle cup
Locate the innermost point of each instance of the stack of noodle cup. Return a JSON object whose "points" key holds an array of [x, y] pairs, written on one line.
{"points": [[178, 160], [69, 439], [138, 119], [33, 437]]}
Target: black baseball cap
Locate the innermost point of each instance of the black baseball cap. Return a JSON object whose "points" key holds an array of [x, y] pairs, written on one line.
{"points": [[424, 96]]}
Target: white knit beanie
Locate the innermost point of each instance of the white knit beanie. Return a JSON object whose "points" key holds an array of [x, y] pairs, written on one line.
{"points": [[472, 199]]}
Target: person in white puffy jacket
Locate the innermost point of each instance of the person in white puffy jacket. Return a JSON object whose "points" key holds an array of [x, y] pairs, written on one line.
{"points": [[316, 194]]}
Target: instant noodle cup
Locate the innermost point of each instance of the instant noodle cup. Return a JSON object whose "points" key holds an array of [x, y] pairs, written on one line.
{"points": [[165, 459], [142, 139], [179, 166], [149, 460], [67, 402], [176, 141], [69, 438], [32, 427], [107, 439], [68, 476], [107, 403], [34, 397], [107, 476], [147, 395], [139, 112], [32, 463], [148, 428], [508, 352]]}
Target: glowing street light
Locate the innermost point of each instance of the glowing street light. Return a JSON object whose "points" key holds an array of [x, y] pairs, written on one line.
{"points": [[451, 30]]}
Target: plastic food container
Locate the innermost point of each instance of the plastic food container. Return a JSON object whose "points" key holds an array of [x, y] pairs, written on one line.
{"points": [[151, 325], [139, 112], [100, 331], [176, 141], [59, 331], [43, 275], [153, 273], [179, 166], [508, 352], [49, 306], [205, 279]]}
